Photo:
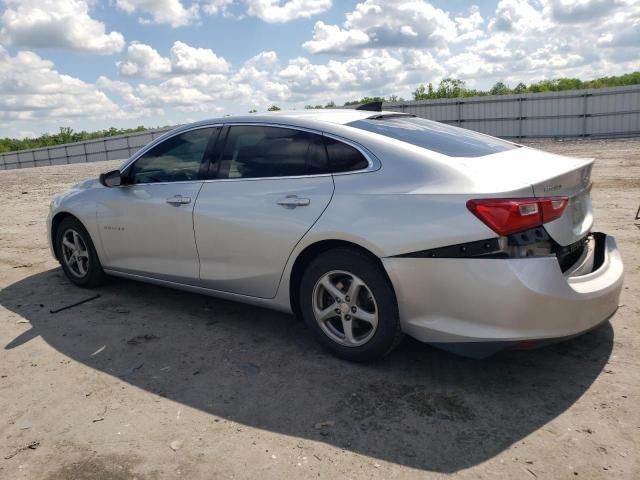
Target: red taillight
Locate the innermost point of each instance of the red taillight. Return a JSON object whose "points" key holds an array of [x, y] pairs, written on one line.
{"points": [[510, 215]]}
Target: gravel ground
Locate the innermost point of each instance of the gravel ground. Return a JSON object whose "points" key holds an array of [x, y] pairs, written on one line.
{"points": [[150, 383]]}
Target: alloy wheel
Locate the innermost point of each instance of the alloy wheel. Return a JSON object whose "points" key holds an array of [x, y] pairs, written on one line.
{"points": [[345, 308], [75, 253]]}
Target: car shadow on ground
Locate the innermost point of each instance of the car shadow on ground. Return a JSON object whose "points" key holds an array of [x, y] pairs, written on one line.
{"points": [[419, 407]]}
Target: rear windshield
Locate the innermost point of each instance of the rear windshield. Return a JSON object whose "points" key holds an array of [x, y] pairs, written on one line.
{"points": [[435, 136]]}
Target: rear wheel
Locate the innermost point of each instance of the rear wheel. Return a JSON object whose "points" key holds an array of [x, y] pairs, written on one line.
{"points": [[77, 254], [348, 302]]}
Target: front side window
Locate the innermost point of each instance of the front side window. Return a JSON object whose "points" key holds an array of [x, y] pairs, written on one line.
{"points": [[253, 151], [435, 136], [176, 159]]}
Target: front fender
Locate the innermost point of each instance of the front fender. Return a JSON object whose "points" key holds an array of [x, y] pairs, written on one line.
{"points": [[80, 204]]}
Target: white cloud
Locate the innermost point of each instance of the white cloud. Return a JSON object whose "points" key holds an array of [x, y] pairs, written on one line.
{"points": [[115, 86], [56, 24], [469, 27], [378, 72], [279, 11], [267, 60], [215, 7], [517, 16], [31, 88], [470, 22], [169, 12], [383, 24], [627, 36], [576, 11], [262, 81], [185, 58], [385, 47], [144, 61], [332, 38], [531, 40]]}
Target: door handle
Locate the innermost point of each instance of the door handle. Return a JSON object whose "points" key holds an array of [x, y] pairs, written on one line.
{"points": [[178, 200], [293, 201]]}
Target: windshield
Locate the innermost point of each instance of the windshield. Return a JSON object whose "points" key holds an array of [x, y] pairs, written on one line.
{"points": [[435, 136]]}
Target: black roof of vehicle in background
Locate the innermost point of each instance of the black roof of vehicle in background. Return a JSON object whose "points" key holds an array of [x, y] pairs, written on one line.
{"points": [[371, 107]]}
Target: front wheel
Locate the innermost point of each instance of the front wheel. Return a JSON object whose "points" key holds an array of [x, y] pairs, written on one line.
{"points": [[77, 255], [348, 302]]}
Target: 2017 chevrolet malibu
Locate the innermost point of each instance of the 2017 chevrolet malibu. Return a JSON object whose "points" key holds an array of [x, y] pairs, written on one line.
{"points": [[369, 225]]}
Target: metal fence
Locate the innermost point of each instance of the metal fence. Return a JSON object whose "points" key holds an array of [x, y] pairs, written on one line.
{"points": [[603, 112], [109, 148]]}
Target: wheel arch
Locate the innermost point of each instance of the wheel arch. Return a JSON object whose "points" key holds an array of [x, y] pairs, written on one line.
{"points": [[55, 224], [311, 252]]}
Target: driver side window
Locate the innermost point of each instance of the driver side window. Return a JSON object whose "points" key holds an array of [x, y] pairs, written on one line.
{"points": [[177, 159]]}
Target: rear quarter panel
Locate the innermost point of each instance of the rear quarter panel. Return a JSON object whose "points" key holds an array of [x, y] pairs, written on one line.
{"points": [[415, 201]]}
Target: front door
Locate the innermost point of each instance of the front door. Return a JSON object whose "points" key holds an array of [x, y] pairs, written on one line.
{"points": [[146, 225]]}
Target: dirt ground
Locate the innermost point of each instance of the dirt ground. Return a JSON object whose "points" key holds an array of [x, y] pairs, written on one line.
{"points": [[150, 383]]}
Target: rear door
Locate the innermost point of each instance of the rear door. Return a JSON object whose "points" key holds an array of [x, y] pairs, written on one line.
{"points": [[266, 195]]}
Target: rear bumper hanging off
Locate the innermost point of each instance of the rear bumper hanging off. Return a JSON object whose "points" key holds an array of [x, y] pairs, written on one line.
{"points": [[477, 300]]}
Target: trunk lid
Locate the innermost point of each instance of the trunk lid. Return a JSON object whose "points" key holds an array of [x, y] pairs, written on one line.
{"points": [[549, 175], [577, 219]]}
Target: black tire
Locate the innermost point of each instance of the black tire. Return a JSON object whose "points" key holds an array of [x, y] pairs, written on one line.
{"points": [[388, 333], [95, 275]]}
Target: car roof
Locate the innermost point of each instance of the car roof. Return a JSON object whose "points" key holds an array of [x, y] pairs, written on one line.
{"points": [[305, 118]]}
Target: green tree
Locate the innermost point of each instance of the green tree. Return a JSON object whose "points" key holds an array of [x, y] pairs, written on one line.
{"points": [[273, 108], [520, 88], [499, 89], [364, 100], [451, 88], [420, 93], [395, 99], [64, 135], [569, 84]]}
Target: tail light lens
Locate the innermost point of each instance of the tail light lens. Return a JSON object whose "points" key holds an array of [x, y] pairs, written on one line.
{"points": [[511, 215]]}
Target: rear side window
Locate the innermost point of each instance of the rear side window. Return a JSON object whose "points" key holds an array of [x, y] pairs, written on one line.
{"points": [[343, 157], [254, 152], [435, 136]]}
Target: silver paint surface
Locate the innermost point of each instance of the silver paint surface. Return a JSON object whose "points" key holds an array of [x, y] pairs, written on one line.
{"points": [[235, 241]]}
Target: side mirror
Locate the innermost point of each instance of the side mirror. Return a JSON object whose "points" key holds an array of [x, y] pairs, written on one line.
{"points": [[111, 179]]}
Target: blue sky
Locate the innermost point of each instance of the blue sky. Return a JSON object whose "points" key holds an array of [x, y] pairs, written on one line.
{"points": [[92, 64]]}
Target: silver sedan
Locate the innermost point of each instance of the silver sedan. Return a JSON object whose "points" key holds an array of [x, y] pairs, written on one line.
{"points": [[368, 225]]}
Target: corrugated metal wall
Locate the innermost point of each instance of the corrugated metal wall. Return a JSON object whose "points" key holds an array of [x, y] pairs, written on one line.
{"points": [[577, 113], [109, 148], [603, 112]]}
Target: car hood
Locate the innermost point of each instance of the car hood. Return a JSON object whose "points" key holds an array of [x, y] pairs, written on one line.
{"points": [[74, 190], [86, 184]]}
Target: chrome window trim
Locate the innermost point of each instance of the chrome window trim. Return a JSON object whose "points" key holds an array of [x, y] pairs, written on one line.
{"points": [[212, 180], [374, 163], [231, 123], [181, 182]]}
